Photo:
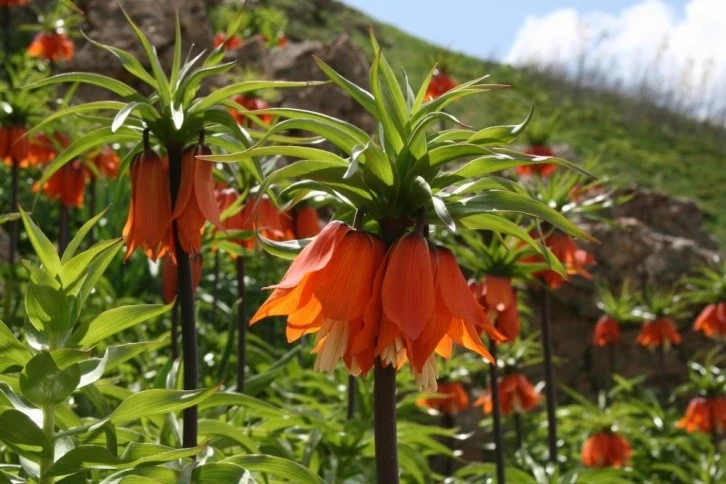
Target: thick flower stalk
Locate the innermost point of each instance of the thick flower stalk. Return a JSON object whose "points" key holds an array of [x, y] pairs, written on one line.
{"points": [[606, 449]]}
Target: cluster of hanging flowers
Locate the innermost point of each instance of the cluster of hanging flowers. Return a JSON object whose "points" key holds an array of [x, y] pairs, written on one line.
{"points": [[441, 83], [574, 259], [450, 399], [231, 42], [712, 321], [606, 449], [516, 394], [406, 303], [249, 103], [706, 415], [543, 170], [659, 332], [496, 295], [52, 46], [607, 331]]}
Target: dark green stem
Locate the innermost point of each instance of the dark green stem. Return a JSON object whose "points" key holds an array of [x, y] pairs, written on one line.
{"points": [[549, 376], [386, 441], [497, 415], [175, 330], [241, 326], [185, 297], [352, 386], [215, 288], [517, 417], [14, 226]]}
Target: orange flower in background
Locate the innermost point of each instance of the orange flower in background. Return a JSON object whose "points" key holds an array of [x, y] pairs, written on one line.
{"points": [[68, 185], [148, 225], [712, 321], [51, 46], [569, 254], [497, 297], [440, 84], [540, 169], [706, 415], [250, 103], [233, 42], [516, 394], [14, 145], [169, 275], [607, 331], [606, 449], [13, 3], [106, 161], [451, 399], [282, 40], [43, 149], [326, 290], [660, 332], [302, 222], [195, 202]]}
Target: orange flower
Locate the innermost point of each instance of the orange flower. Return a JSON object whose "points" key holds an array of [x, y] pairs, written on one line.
{"points": [[282, 40], [232, 42], [195, 201], [250, 104], [540, 169], [301, 223], [42, 149], [13, 3], [607, 331], [106, 161], [421, 304], [516, 394], [497, 297], [14, 145], [606, 449], [149, 220], [52, 46], [68, 184], [572, 257], [661, 332], [705, 415], [326, 290], [169, 275], [451, 400], [440, 84], [712, 321]]}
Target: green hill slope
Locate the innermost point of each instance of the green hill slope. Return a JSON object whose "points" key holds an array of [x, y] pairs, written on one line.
{"points": [[638, 142]]}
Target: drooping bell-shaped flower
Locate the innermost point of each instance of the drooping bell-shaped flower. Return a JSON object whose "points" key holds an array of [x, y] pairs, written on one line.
{"points": [[573, 258], [516, 394], [543, 170], [51, 46], [326, 289], [496, 295], [14, 145], [440, 84], [67, 185], [195, 202], [148, 225], [659, 332], [606, 449], [451, 399], [712, 321], [106, 161], [706, 415], [232, 42], [607, 331]]}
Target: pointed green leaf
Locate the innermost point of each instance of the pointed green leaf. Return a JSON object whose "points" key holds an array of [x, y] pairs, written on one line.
{"points": [[115, 320], [227, 92], [43, 383], [162, 82], [44, 248], [80, 108], [360, 95], [22, 435], [80, 235], [109, 83], [148, 403], [277, 466], [12, 351]]}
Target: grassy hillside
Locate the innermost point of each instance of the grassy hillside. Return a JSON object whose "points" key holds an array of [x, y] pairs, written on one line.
{"points": [[638, 142]]}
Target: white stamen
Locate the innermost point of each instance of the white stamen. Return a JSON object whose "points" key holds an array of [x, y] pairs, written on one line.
{"points": [[426, 380], [332, 340]]}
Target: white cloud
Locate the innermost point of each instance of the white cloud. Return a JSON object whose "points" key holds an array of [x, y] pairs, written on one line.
{"points": [[679, 55]]}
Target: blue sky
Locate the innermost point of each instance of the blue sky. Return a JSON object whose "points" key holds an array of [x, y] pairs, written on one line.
{"points": [[484, 28]]}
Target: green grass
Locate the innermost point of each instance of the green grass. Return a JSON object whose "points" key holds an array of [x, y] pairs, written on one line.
{"points": [[637, 142]]}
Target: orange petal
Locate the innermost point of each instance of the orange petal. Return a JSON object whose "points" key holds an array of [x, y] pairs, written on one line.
{"points": [[408, 289]]}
